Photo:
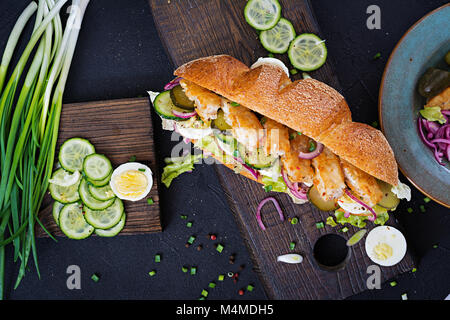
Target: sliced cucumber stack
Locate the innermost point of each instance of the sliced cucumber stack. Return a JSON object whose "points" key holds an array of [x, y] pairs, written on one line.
{"points": [[262, 14], [307, 52], [99, 208], [277, 39]]}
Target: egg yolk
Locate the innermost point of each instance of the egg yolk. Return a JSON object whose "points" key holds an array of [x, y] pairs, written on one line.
{"points": [[383, 251], [131, 183]]}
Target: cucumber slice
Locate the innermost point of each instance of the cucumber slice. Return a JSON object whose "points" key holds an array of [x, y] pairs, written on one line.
{"points": [[72, 153], [321, 204], [64, 194], [105, 219], [389, 200], [256, 159], [100, 183], [96, 167], [277, 39], [262, 14], [57, 207], [89, 200], [114, 230], [180, 99], [104, 193], [307, 52], [72, 222], [163, 106]]}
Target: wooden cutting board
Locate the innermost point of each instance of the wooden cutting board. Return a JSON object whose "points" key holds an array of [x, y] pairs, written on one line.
{"points": [[119, 129], [191, 29]]}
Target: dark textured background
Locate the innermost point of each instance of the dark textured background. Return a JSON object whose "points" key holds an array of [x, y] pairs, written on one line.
{"points": [[120, 55]]}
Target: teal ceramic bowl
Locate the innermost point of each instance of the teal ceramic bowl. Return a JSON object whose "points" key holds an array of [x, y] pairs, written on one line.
{"points": [[424, 45]]}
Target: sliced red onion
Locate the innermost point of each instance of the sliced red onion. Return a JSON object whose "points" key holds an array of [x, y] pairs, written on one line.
{"points": [[288, 182], [261, 204], [252, 171], [370, 218], [313, 154], [422, 134], [346, 214], [296, 191], [184, 115], [172, 83]]}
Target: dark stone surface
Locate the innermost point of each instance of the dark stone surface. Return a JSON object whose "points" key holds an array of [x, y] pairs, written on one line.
{"points": [[120, 55]]}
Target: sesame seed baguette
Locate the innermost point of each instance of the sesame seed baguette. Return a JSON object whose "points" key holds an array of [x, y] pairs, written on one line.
{"points": [[308, 106]]}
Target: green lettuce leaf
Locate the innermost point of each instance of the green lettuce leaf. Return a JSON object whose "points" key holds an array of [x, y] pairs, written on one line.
{"points": [[274, 185], [360, 221], [178, 165], [433, 114]]}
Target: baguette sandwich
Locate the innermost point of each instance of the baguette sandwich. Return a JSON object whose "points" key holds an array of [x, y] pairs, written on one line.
{"points": [[294, 137]]}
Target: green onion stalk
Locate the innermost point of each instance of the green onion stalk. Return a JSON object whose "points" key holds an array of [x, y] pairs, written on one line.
{"points": [[29, 122]]}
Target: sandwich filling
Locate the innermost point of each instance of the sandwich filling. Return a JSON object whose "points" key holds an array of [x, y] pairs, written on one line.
{"points": [[280, 158]]}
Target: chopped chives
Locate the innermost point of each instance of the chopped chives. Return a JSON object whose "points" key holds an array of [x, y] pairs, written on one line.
{"points": [[426, 199], [201, 298], [152, 273], [344, 229], [142, 169], [235, 104], [414, 270], [193, 270], [294, 71], [331, 222], [132, 159], [250, 288], [219, 248], [150, 201], [95, 277], [435, 246], [158, 258], [299, 133], [292, 245], [220, 277], [377, 56], [375, 124], [270, 55], [191, 239], [312, 146], [184, 269], [422, 208], [393, 283], [268, 188], [189, 224], [410, 210], [294, 220], [183, 217], [292, 136], [212, 285], [319, 225], [204, 293]]}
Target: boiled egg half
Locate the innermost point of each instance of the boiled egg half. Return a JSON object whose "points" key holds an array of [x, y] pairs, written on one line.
{"points": [[385, 246], [349, 205], [131, 181]]}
